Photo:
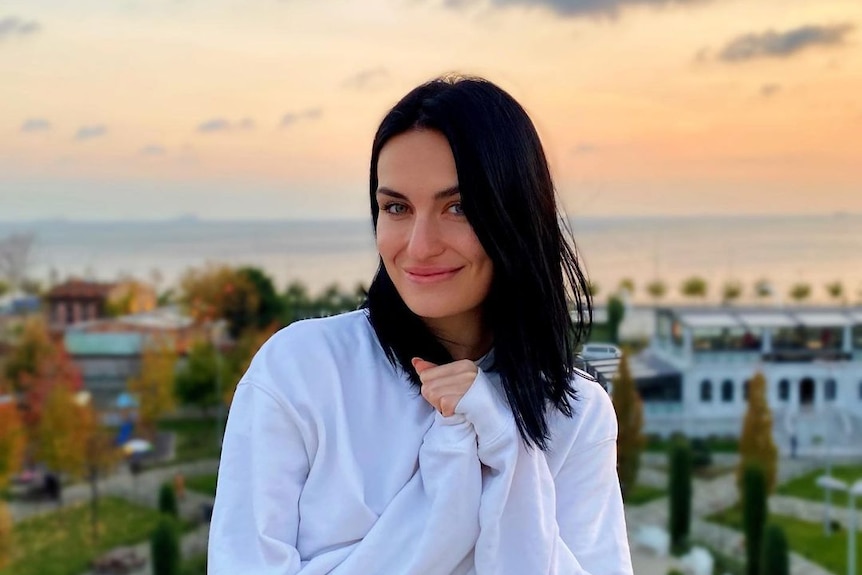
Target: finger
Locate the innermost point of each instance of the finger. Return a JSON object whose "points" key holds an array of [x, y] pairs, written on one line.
{"points": [[420, 365], [428, 371]]}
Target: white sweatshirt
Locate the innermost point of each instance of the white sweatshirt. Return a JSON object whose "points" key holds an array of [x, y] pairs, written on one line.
{"points": [[334, 464]]}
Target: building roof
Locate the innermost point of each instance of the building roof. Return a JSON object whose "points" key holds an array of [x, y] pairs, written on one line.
{"points": [[767, 318], [707, 320], [823, 319], [118, 344], [80, 289], [754, 317]]}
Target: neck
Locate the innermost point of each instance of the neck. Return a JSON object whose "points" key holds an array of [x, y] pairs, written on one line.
{"points": [[464, 337]]}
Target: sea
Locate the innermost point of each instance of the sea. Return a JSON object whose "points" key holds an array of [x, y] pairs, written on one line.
{"points": [[785, 250]]}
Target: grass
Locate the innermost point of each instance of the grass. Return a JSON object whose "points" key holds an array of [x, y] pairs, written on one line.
{"points": [[205, 484], [715, 444], [804, 486], [805, 538], [644, 494], [196, 565], [61, 542], [196, 438]]}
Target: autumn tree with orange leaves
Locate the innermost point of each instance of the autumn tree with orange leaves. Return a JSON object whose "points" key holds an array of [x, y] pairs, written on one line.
{"points": [[55, 370], [63, 432], [154, 386], [12, 440]]}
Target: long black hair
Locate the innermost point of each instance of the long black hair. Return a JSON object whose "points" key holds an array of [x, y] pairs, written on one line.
{"points": [[508, 197]]}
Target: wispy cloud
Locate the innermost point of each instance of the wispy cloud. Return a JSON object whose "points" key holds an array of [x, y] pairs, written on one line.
{"points": [[224, 125], [292, 118], [772, 44], [366, 79], [769, 90], [578, 8], [91, 132], [35, 125], [153, 150], [11, 26]]}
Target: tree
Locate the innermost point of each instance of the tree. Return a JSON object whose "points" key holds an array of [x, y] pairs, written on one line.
{"points": [[196, 382], [800, 291], [33, 349], [55, 369], [630, 438], [627, 285], [593, 288], [220, 292], [154, 386], [168, 501], [15, 252], [694, 287], [656, 289], [775, 556], [756, 445], [165, 548], [270, 307], [754, 514], [679, 491], [296, 303], [12, 441], [64, 432], [101, 456], [5, 535], [763, 288], [730, 292], [616, 312], [836, 291]]}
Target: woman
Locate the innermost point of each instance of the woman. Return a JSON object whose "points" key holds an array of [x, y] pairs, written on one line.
{"points": [[442, 429]]}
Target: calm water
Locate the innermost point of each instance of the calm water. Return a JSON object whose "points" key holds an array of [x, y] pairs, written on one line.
{"points": [[814, 249]]}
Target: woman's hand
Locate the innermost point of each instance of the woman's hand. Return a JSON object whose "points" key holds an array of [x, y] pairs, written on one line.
{"points": [[443, 386]]}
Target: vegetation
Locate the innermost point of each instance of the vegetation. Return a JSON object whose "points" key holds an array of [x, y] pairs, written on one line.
{"points": [[165, 548], [756, 445], [805, 538], [196, 383], [5, 534], [694, 287], [762, 288], [775, 558], [642, 494], [754, 515], [800, 292], [616, 312], [630, 438], [204, 484], [730, 292], [168, 501], [805, 486], [195, 438], [59, 543], [656, 289], [835, 290], [12, 442], [627, 285], [680, 491], [154, 386]]}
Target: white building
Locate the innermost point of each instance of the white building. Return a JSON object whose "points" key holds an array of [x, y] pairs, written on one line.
{"points": [[694, 375]]}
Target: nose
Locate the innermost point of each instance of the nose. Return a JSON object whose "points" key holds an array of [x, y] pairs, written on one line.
{"points": [[425, 239]]}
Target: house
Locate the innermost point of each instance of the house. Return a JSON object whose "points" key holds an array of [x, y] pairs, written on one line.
{"points": [[77, 301], [694, 375]]}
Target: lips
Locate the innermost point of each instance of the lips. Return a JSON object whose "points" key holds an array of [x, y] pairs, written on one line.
{"points": [[426, 275]]}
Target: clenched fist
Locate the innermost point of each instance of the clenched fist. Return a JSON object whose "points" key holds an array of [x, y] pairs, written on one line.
{"points": [[443, 386]]}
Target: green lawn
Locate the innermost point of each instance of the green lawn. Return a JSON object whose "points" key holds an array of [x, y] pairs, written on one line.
{"points": [[805, 538], [205, 484], [61, 543], [805, 488], [196, 565], [715, 444], [196, 438], [644, 494]]}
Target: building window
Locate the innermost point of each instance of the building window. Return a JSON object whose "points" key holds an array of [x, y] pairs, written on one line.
{"points": [[783, 390], [745, 389], [706, 391], [727, 391], [829, 390]]}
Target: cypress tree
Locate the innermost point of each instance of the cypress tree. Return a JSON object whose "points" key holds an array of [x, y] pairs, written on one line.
{"points": [[754, 515], [165, 548], [630, 437], [679, 490], [168, 501], [775, 557], [756, 445]]}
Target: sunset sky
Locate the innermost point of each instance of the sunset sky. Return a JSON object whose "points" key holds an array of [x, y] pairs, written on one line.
{"points": [[117, 109]]}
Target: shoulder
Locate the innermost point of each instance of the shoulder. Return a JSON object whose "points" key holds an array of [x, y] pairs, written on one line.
{"points": [[593, 419], [311, 349]]}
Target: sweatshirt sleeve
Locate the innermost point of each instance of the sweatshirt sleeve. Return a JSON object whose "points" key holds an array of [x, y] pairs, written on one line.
{"points": [[264, 467], [534, 522]]}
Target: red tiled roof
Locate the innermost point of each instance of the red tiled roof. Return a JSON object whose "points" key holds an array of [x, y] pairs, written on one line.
{"points": [[80, 289]]}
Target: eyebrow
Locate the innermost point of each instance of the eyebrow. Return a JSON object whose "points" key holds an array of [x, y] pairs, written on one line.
{"points": [[442, 194]]}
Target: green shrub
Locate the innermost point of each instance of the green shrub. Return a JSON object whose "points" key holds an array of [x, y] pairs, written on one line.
{"points": [[754, 514], [165, 548], [168, 501], [775, 556], [679, 492]]}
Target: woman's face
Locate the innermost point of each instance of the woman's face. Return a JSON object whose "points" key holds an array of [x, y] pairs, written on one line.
{"points": [[426, 243]]}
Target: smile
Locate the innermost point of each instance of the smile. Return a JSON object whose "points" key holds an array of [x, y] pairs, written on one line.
{"points": [[430, 275]]}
